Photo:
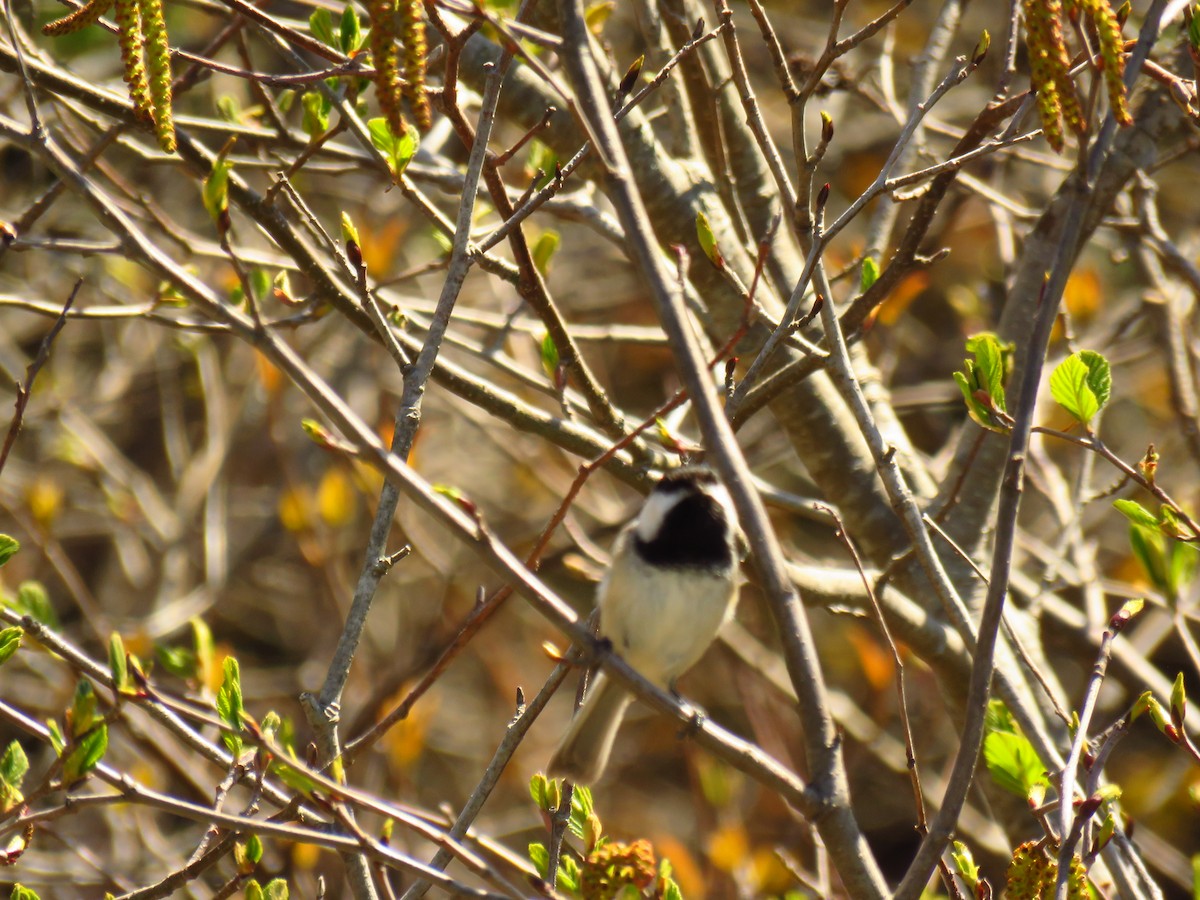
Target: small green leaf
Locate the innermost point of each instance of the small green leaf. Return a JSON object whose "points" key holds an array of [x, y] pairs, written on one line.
{"points": [[10, 642], [545, 247], [32, 600], [350, 32], [57, 741], [118, 665], [8, 548], [179, 661], [14, 764], [276, 889], [981, 47], [540, 857], [870, 274], [260, 282], [1194, 41], [1178, 702], [320, 23], [252, 891], [83, 709], [216, 190], [964, 863], [316, 113], [397, 150], [993, 361], [549, 354], [86, 754], [349, 231], [708, 241], [228, 109], [293, 777], [1081, 384], [1137, 514], [982, 380], [20, 892], [1014, 763], [229, 704]]}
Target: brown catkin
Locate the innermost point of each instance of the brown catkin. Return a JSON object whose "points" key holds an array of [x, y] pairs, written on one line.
{"points": [[158, 62], [412, 32], [86, 15], [129, 24], [386, 62]]}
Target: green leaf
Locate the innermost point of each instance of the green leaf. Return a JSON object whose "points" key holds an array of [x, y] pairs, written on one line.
{"points": [[216, 189], [260, 283], [10, 642], [1178, 702], [545, 247], [57, 741], [320, 23], [179, 661], [14, 764], [708, 241], [1013, 763], [350, 32], [83, 709], [276, 889], [316, 113], [992, 361], [33, 601], [540, 857], [252, 891], [1081, 384], [397, 149], [349, 231], [870, 274], [85, 755], [541, 159], [254, 849], [229, 704], [549, 354], [1194, 41], [293, 777], [228, 109], [1137, 514], [982, 380], [8, 548], [20, 892], [118, 665], [964, 862]]}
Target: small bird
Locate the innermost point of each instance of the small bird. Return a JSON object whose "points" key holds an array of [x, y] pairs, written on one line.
{"points": [[671, 585]]}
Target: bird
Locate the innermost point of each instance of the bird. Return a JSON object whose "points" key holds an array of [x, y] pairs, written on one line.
{"points": [[670, 587]]}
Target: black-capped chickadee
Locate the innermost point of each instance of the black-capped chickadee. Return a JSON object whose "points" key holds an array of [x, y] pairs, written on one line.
{"points": [[671, 585]]}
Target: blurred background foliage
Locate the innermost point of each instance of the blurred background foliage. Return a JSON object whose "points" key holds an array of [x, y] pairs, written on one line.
{"points": [[162, 473]]}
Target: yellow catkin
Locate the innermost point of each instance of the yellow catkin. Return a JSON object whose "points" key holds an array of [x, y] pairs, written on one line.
{"points": [[386, 62], [412, 32], [158, 62], [1049, 70], [86, 15], [1112, 56], [129, 24]]}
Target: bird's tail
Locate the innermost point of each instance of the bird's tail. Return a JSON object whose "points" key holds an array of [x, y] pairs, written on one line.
{"points": [[583, 753]]}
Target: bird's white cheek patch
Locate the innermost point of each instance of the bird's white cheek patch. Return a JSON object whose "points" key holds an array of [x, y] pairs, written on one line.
{"points": [[654, 512]]}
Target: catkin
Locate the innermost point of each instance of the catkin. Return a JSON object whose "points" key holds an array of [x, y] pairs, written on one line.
{"points": [[386, 62], [86, 15], [412, 32]]}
